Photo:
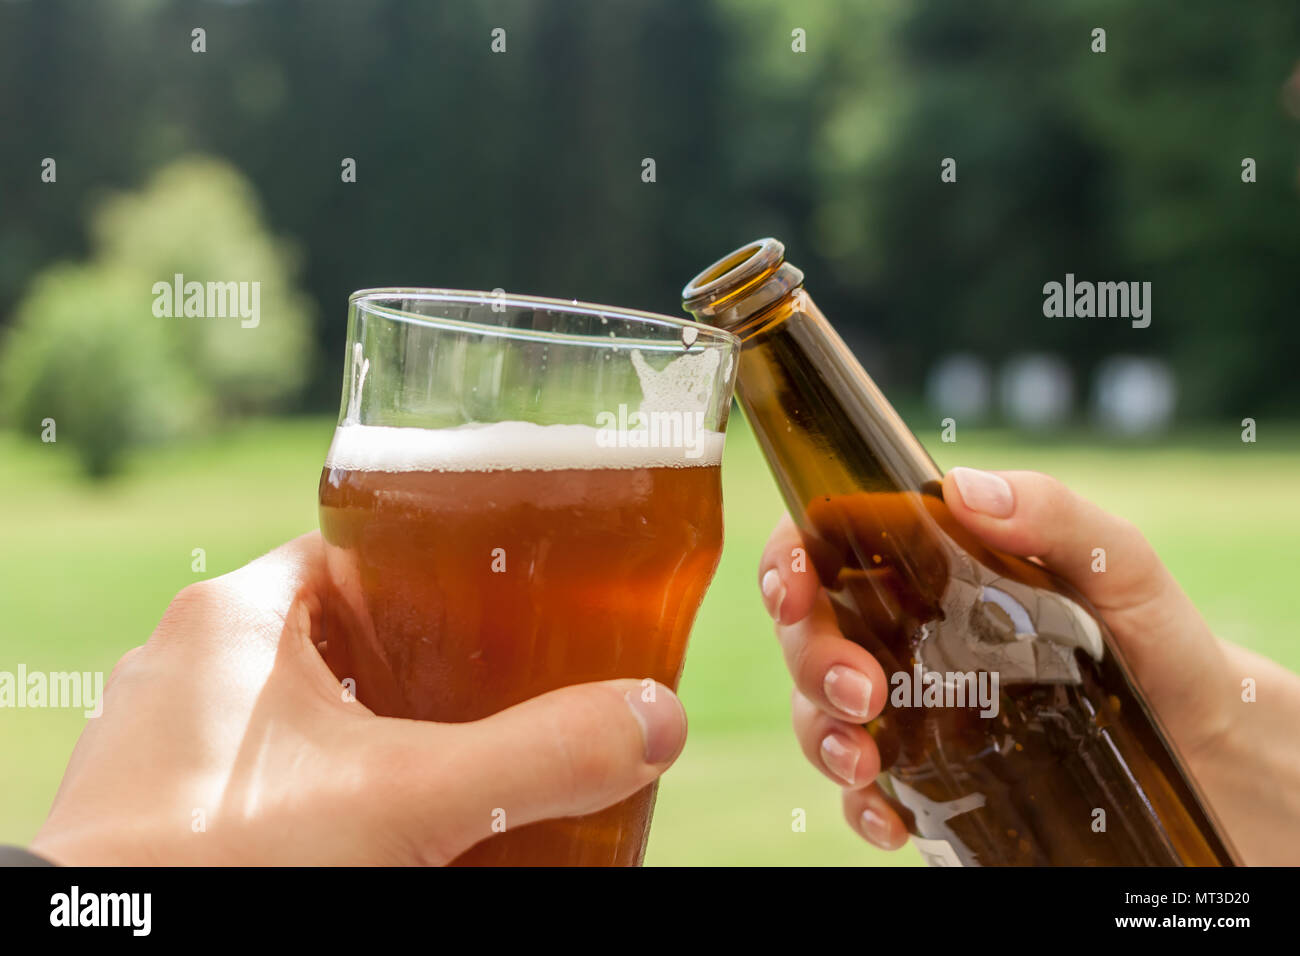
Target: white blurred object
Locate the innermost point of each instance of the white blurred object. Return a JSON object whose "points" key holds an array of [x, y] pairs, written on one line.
{"points": [[1037, 390], [960, 387], [1134, 396]]}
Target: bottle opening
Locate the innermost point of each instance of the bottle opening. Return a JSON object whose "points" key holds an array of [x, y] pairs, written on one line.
{"points": [[741, 284]]}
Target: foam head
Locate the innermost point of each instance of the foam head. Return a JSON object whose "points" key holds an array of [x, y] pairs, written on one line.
{"points": [[512, 446]]}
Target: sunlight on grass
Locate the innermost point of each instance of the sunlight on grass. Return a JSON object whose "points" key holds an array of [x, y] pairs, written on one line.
{"points": [[87, 572]]}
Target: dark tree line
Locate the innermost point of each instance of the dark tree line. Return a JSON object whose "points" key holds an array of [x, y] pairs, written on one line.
{"points": [[523, 169]]}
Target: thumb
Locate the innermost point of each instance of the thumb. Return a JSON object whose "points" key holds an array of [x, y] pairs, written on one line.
{"points": [[1033, 515], [566, 753], [1172, 652]]}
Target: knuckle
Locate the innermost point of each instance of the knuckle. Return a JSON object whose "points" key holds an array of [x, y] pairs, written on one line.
{"points": [[802, 710], [127, 664], [1050, 490], [192, 604], [1137, 542], [805, 665], [192, 597], [592, 744], [852, 804]]}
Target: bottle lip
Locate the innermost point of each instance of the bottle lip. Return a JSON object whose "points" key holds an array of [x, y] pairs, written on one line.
{"points": [[741, 283]]}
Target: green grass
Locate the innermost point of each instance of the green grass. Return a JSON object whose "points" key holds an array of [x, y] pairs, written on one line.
{"points": [[86, 571]]}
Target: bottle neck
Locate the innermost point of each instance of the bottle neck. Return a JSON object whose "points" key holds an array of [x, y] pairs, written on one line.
{"points": [[823, 424], [740, 287]]}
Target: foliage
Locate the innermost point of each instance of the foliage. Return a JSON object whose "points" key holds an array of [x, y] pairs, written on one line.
{"points": [[521, 169], [199, 218], [1122, 166], [81, 354], [88, 349]]}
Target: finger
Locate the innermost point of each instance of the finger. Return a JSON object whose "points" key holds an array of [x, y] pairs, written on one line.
{"points": [[569, 752], [255, 624], [1165, 642], [786, 581], [1030, 514], [869, 813], [878, 553], [837, 675], [272, 581], [253, 599], [844, 752]]}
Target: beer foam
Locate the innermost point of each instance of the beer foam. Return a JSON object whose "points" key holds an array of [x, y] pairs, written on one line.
{"points": [[685, 385], [510, 446]]}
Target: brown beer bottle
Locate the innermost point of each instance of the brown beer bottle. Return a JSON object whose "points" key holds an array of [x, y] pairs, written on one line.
{"points": [[1014, 732]]}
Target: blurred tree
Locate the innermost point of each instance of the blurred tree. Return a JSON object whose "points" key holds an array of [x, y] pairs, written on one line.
{"points": [[1123, 165], [83, 353], [88, 349], [521, 169], [1182, 97], [200, 219]]}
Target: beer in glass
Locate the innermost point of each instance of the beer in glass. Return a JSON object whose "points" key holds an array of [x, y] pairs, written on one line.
{"points": [[521, 494]]}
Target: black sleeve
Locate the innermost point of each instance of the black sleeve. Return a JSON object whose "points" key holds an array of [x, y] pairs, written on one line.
{"points": [[17, 856]]}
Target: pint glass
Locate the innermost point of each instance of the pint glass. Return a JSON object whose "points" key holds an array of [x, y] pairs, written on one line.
{"points": [[521, 494]]}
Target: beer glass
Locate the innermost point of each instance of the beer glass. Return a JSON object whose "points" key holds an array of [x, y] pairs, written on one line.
{"points": [[521, 494]]}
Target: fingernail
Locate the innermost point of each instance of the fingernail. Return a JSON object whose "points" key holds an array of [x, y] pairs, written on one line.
{"points": [[849, 690], [773, 593], [985, 492], [662, 720], [840, 757], [875, 827]]}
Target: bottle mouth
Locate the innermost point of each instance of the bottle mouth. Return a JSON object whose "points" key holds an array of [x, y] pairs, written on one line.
{"points": [[741, 284]]}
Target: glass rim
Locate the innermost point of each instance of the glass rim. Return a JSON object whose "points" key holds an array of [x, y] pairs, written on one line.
{"points": [[372, 301]]}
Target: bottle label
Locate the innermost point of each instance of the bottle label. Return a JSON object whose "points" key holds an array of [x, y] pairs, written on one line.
{"points": [[933, 817], [936, 852]]}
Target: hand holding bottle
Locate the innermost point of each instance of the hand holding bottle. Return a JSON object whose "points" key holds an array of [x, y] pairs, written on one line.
{"points": [[1243, 754]]}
